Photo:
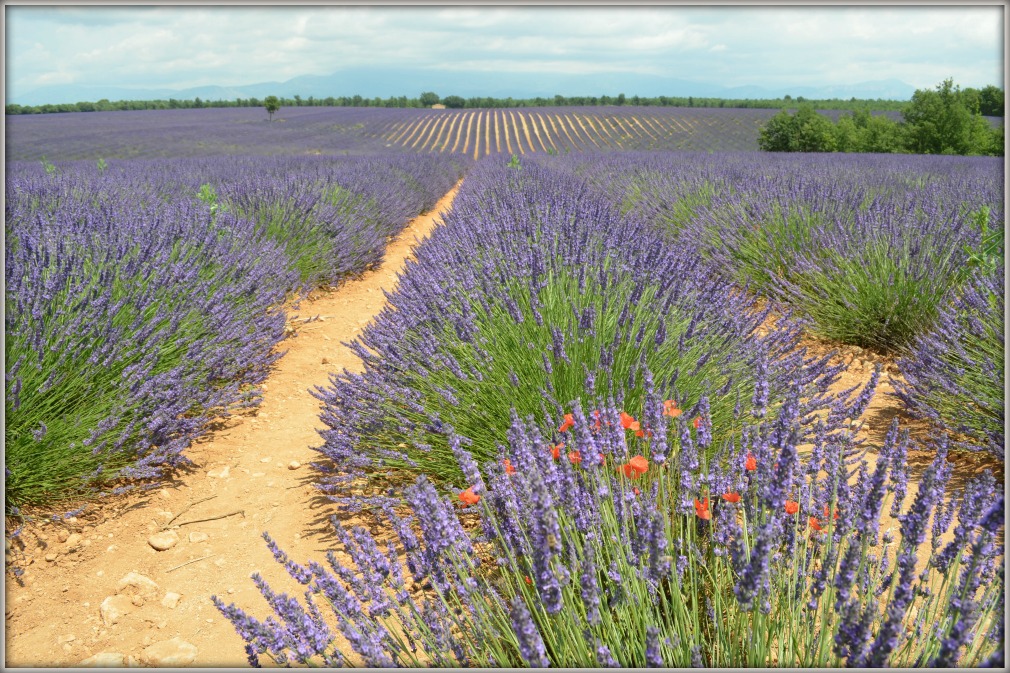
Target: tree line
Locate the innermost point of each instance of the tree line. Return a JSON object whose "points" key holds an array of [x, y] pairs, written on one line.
{"points": [[987, 100], [947, 120]]}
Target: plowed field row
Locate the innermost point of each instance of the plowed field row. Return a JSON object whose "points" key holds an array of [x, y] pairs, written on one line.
{"points": [[482, 132]]}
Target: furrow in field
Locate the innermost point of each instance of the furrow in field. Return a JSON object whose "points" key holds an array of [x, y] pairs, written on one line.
{"points": [[401, 137], [459, 132], [525, 127], [585, 131], [487, 132], [426, 135], [466, 137], [652, 126], [565, 119], [476, 139], [564, 128], [505, 126], [497, 136], [415, 133], [448, 135], [526, 131], [515, 131], [547, 132], [437, 134], [642, 127]]}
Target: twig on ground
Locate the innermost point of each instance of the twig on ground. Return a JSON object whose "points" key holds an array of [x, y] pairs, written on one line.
{"points": [[214, 518], [188, 562], [186, 509]]}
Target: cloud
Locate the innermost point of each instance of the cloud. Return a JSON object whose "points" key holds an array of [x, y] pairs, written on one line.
{"points": [[183, 46]]}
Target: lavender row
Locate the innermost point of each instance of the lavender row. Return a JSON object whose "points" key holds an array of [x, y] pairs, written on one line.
{"points": [[141, 300], [534, 291]]}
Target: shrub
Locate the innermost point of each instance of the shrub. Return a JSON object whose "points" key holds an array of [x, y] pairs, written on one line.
{"points": [[954, 374], [645, 557]]}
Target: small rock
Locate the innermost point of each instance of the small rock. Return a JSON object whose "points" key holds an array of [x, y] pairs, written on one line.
{"points": [[73, 539], [174, 652], [104, 660], [85, 543], [62, 535], [163, 540], [171, 599], [294, 465], [111, 548], [266, 460], [113, 608], [221, 473], [69, 638], [198, 537], [138, 601], [144, 586], [326, 338], [230, 590], [50, 557], [164, 493], [264, 387], [325, 361]]}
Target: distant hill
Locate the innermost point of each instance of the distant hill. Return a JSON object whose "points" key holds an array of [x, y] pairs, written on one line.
{"points": [[386, 82]]}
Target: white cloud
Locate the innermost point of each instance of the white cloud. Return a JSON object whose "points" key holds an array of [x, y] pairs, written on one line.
{"points": [[184, 46]]}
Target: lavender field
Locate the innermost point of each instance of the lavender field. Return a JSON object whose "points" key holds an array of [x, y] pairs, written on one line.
{"points": [[587, 412], [346, 131]]}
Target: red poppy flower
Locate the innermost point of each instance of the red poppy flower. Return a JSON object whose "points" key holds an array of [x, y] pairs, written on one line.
{"points": [[528, 580], [602, 458], [670, 409], [469, 497], [636, 491], [574, 457], [569, 422], [635, 467], [626, 420], [731, 497], [701, 509], [556, 450], [826, 512], [751, 463], [815, 524], [792, 507], [696, 422], [509, 468]]}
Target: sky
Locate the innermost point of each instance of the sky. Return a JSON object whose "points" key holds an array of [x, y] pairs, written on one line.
{"points": [[181, 46]]}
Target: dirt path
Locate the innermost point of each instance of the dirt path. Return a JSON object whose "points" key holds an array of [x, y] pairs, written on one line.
{"points": [[245, 466]]}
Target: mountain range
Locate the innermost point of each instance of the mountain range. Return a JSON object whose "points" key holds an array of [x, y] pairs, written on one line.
{"points": [[386, 82]]}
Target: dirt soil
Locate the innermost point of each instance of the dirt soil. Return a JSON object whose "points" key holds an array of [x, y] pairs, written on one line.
{"points": [[253, 475]]}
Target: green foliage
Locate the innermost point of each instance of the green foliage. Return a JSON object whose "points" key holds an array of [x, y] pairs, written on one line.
{"points": [[945, 121], [990, 252], [482, 406], [991, 101], [455, 102], [881, 299], [102, 166], [805, 131], [514, 162], [428, 98], [48, 166], [272, 105], [941, 122]]}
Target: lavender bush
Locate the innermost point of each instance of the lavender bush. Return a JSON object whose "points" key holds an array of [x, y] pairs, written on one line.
{"points": [[534, 292], [129, 321], [954, 374], [753, 555]]}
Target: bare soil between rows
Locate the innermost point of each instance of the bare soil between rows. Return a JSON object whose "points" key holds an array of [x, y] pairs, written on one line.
{"points": [[252, 475]]}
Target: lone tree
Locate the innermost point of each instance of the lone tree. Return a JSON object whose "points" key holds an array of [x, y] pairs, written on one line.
{"points": [[428, 98], [272, 104]]}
